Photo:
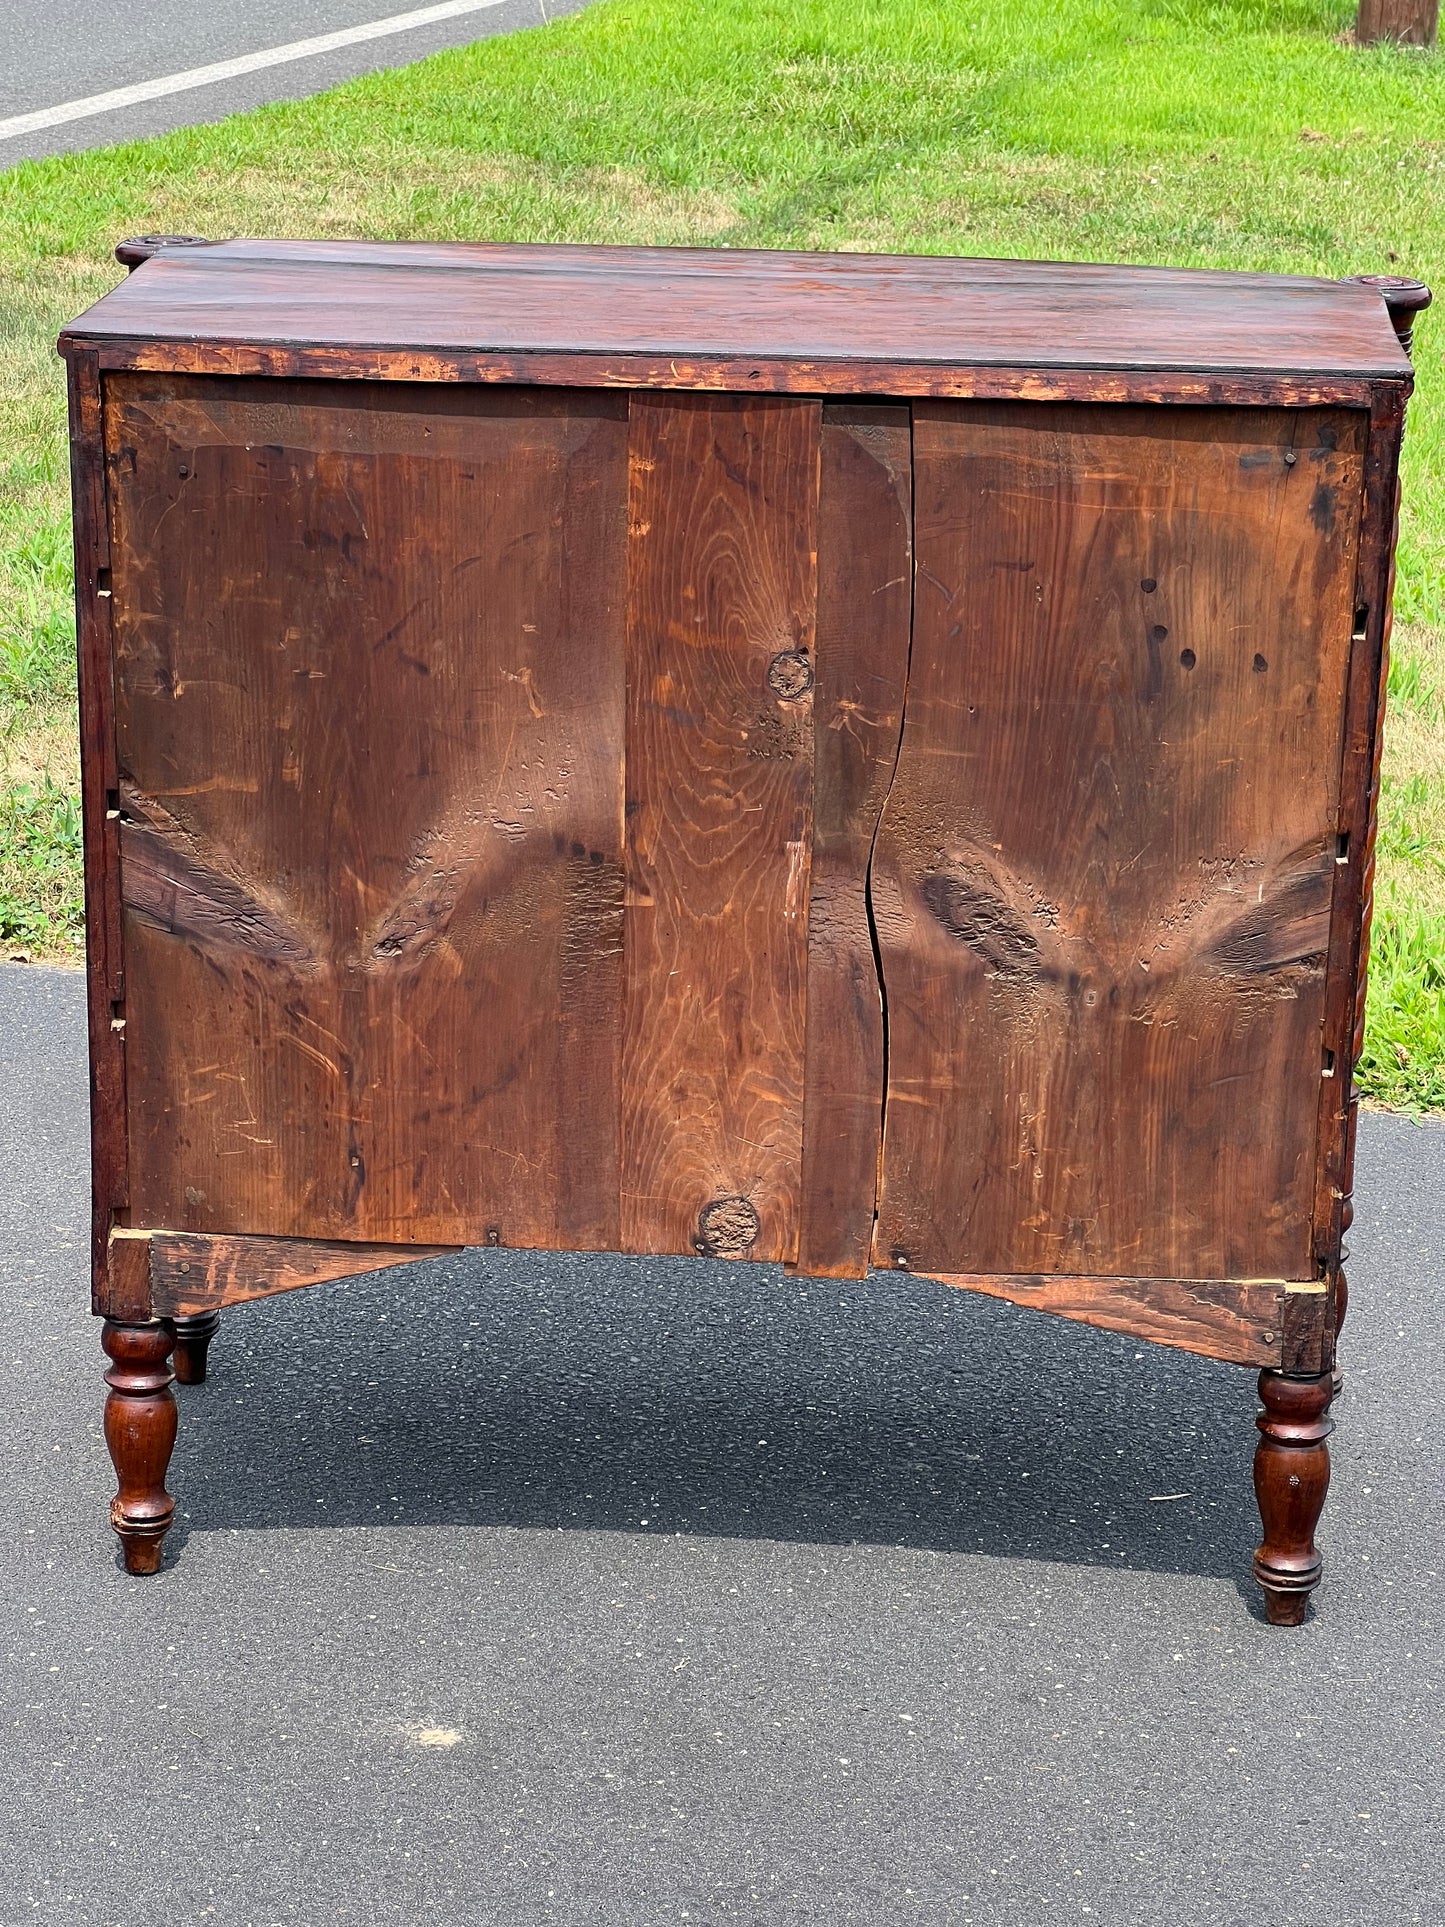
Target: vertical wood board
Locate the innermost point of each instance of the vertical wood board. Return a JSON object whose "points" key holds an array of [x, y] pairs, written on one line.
{"points": [[370, 710], [1103, 878], [865, 601], [105, 966], [721, 618]]}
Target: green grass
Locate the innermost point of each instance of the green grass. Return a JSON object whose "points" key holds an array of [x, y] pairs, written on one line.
{"points": [[39, 865], [1244, 133]]}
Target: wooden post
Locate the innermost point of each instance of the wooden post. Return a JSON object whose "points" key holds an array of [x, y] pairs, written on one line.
{"points": [[1414, 23]]}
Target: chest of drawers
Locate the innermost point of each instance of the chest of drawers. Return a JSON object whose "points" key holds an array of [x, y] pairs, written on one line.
{"points": [[860, 763]]}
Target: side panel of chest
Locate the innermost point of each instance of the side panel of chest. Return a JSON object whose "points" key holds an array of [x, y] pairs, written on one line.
{"points": [[1103, 878], [370, 676]]}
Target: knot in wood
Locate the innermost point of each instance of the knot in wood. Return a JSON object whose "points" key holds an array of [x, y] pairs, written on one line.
{"points": [[791, 675], [727, 1227]]}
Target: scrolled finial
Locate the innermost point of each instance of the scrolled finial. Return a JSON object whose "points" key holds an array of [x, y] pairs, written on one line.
{"points": [[1403, 298], [132, 253]]}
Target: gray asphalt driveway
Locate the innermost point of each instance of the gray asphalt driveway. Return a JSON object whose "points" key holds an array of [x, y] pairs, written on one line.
{"points": [[58, 52], [518, 1590]]}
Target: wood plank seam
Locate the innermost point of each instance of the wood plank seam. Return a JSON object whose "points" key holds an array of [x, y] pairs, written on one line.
{"points": [[877, 825]]}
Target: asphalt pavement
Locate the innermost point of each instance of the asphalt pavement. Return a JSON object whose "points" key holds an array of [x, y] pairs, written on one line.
{"points": [[522, 1590], [58, 52]]}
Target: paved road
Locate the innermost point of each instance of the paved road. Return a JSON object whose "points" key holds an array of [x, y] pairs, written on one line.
{"points": [[59, 51], [746, 1600]]}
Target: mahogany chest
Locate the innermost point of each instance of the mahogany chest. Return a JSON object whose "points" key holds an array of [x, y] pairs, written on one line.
{"points": [[861, 763]]}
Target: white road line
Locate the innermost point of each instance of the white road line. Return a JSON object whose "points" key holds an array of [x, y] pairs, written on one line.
{"points": [[321, 43]]}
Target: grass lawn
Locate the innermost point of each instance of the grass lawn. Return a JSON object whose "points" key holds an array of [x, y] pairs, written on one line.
{"points": [[1241, 134]]}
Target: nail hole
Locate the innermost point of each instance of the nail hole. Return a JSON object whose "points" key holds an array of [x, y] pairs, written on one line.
{"points": [[1148, 585], [1188, 658], [1159, 632], [1260, 665]]}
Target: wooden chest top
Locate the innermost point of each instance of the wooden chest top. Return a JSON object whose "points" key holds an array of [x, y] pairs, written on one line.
{"points": [[690, 303]]}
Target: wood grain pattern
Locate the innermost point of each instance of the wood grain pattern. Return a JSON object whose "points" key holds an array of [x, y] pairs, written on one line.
{"points": [[128, 1276], [1103, 880], [865, 604], [105, 977], [746, 374], [1242, 1321], [1348, 961], [369, 655], [722, 606], [695, 303], [191, 1274]]}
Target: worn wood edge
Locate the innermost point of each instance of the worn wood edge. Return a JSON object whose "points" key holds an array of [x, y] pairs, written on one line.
{"points": [[1240, 1320], [105, 976], [1361, 742], [124, 1290], [840, 376], [175, 1274], [1287, 1324]]}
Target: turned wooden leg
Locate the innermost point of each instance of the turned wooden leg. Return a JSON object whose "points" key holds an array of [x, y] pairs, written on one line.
{"points": [[1342, 1305], [1291, 1477], [193, 1339], [140, 1430]]}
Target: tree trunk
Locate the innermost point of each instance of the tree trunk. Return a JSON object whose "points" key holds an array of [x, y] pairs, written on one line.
{"points": [[1414, 22]]}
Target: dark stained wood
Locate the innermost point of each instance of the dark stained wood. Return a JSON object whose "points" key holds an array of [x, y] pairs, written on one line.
{"points": [[865, 605], [193, 1344], [370, 718], [1103, 880], [696, 303], [1357, 825], [721, 608], [191, 1275], [132, 254], [1243, 1320], [541, 788], [1404, 298], [140, 1433], [128, 1277], [105, 983], [1311, 1321], [1291, 1478], [749, 374]]}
